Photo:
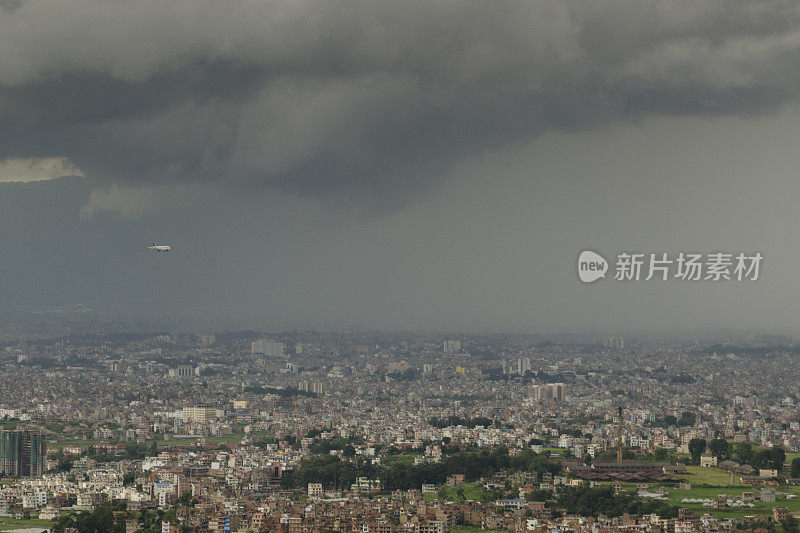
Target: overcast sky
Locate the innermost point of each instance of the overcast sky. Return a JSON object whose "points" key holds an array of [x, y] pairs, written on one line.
{"points": [[432, 164]]}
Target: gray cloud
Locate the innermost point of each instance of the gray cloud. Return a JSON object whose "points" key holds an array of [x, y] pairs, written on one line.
{"points": [[371, 99]]}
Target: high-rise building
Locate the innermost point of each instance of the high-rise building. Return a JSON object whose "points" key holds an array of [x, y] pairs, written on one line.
{"points": [[617, 343], [317, 387], [549, 393], [268, 347], [181, 371], [22, 453], [206, 341], [451, 346]]}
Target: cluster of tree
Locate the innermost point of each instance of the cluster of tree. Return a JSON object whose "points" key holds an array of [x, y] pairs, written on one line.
{"points": [[611, 456], [796, 467], [42, 362], [101, 520], [110, 518], [133, 451], [458, 421], [334, 472], [330, 471], [409, 374], [587, 501], [266, 440], [284, 393], [765, 458], [744, 452], [494, 373], [720, 448], [324, 446], [696, 449], [790, 524]]}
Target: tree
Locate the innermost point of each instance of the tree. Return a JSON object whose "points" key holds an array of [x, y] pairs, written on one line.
{"points": [[777, 457], [597, 501], [64, 465], [670, 420], [790, 524], [101, 520], [744, 451], [696, 449], [720, 448], [661, 454], [796, 467], [761, 459]]}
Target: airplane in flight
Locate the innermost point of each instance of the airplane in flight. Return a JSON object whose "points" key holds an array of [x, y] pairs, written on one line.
{"points": [[158, 248]]}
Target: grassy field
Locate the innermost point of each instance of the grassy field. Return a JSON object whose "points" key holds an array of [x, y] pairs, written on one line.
{"points": [[760, 508], [468, 491], [699, 475], [8, 524], [720, 483], [553, 450], [72, 442]]}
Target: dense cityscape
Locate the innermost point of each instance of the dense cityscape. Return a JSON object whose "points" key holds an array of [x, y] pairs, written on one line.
{"points": [[399, 266], [366, 431]]}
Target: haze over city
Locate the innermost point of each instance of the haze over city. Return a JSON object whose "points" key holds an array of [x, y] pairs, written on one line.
{"points": [[383, 266], [402, 165]]}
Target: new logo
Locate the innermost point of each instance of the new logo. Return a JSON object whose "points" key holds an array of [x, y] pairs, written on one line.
{"points": [[591, 266]]}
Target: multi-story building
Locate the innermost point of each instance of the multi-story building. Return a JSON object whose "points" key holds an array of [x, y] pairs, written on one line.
{"points": [[199, 414], [268, 347], [22, 453], [451, 346]]}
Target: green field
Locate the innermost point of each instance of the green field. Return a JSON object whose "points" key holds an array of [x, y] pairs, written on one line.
{"points": [[559, 451], [8, 524], [719, 482], [468, 491], [760, 508], [718, 477], [72, 442]]}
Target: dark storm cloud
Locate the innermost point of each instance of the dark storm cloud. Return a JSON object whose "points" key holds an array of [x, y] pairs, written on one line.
{"points": [[371, 98]]}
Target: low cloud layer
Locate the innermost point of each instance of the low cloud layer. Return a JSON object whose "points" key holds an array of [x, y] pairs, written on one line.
{"points": [[374, 100], [16, 169]]}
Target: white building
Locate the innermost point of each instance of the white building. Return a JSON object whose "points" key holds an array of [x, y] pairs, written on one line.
{"points": [[451, 346], [268, 347]]}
